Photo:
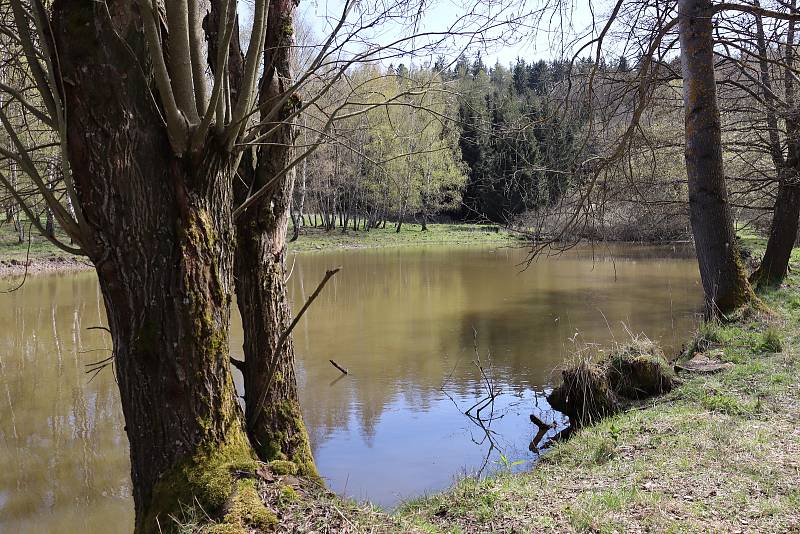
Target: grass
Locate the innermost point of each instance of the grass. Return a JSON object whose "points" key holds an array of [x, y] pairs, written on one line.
{"points": [[720, 453], [44, 254], [40, 247], [411, 234]]}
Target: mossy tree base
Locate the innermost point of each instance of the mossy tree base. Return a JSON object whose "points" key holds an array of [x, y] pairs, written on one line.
{"points": [[209, 480]]}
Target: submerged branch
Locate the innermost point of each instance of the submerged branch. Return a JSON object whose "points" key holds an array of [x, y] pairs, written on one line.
{"points": [[282, 340]]}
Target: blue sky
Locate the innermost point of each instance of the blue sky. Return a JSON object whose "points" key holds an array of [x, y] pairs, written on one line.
{"points": [[549, 37]]}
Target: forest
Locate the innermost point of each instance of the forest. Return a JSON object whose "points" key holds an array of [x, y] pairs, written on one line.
{"points": [[177, 149]]}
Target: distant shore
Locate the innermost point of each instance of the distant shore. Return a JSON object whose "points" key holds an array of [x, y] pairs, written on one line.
{"points": [[44, 257], [58, 262]]}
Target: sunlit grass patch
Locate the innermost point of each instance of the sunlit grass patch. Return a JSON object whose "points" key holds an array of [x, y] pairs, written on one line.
{"points": [[313, 239]]}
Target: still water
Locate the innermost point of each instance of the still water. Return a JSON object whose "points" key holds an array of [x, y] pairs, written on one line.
{"points": [[408, 324]]}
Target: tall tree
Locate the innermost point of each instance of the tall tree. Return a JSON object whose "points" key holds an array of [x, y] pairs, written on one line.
{"points": [[272, 409], [724, 280], [153, 183], [783, 228]]}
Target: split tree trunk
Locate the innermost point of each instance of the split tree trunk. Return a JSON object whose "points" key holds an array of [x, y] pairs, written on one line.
{"points": [[160, 236], [724, 281], [272, 409]]}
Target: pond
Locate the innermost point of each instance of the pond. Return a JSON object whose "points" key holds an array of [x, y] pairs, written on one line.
{"points": [[411, 324]]}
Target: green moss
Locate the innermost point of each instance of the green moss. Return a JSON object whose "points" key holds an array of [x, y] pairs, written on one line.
{"points": [[245, 512], [741, 294], [287, 29], [283, 467], [290, 443], [287, 495], [247, 509], [226, 528], [206, 479], [639, 369]]}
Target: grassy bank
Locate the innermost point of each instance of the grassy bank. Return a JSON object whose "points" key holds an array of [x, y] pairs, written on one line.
{"points": [[44, 256], [411, 234], [35, 250], [720, 453]]}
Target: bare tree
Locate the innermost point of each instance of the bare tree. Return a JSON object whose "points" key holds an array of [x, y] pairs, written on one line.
{"points": [[721, 271]]}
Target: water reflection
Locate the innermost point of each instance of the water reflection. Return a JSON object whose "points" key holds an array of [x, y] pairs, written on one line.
{"points": [[403, 321], [63, 459]]}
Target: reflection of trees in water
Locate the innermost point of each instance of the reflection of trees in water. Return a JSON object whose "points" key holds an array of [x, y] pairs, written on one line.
{"points": [[62, 435], [402, 320]]}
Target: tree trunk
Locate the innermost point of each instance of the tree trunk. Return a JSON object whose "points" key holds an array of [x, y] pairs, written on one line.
{"points": [[19, 228], [13, 211], [50, 224], [272, 409], [295, 226], [724, 281], [783, 228], [160, 236], [782, 234], [297, 214]]}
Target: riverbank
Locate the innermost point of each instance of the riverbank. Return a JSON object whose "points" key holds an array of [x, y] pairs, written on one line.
{"points": [[720, 453], [313, 239], [43, 256]]}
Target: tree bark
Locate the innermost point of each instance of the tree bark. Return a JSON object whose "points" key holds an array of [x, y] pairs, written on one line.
{"points": [[272, 409], [50, 224], [12, 212], [724, 281], [160, 235], [782, 234]]}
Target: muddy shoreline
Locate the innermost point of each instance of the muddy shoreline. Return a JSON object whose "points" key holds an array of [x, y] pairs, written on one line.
{"points": [[13, 268]]}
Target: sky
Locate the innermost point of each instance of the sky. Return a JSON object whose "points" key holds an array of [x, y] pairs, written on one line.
{"points": [[531, 38]]}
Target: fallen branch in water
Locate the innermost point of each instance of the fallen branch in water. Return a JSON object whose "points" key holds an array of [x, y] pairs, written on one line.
{"points": [[281, 340], [339, 367], [544, 428]]}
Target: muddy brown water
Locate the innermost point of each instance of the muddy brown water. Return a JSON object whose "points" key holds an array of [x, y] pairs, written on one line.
{"points": [[404, 321]]}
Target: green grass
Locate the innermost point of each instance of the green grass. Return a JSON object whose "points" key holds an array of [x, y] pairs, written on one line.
{"points": [[311, 239], [40, 247], [410, 234]]}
